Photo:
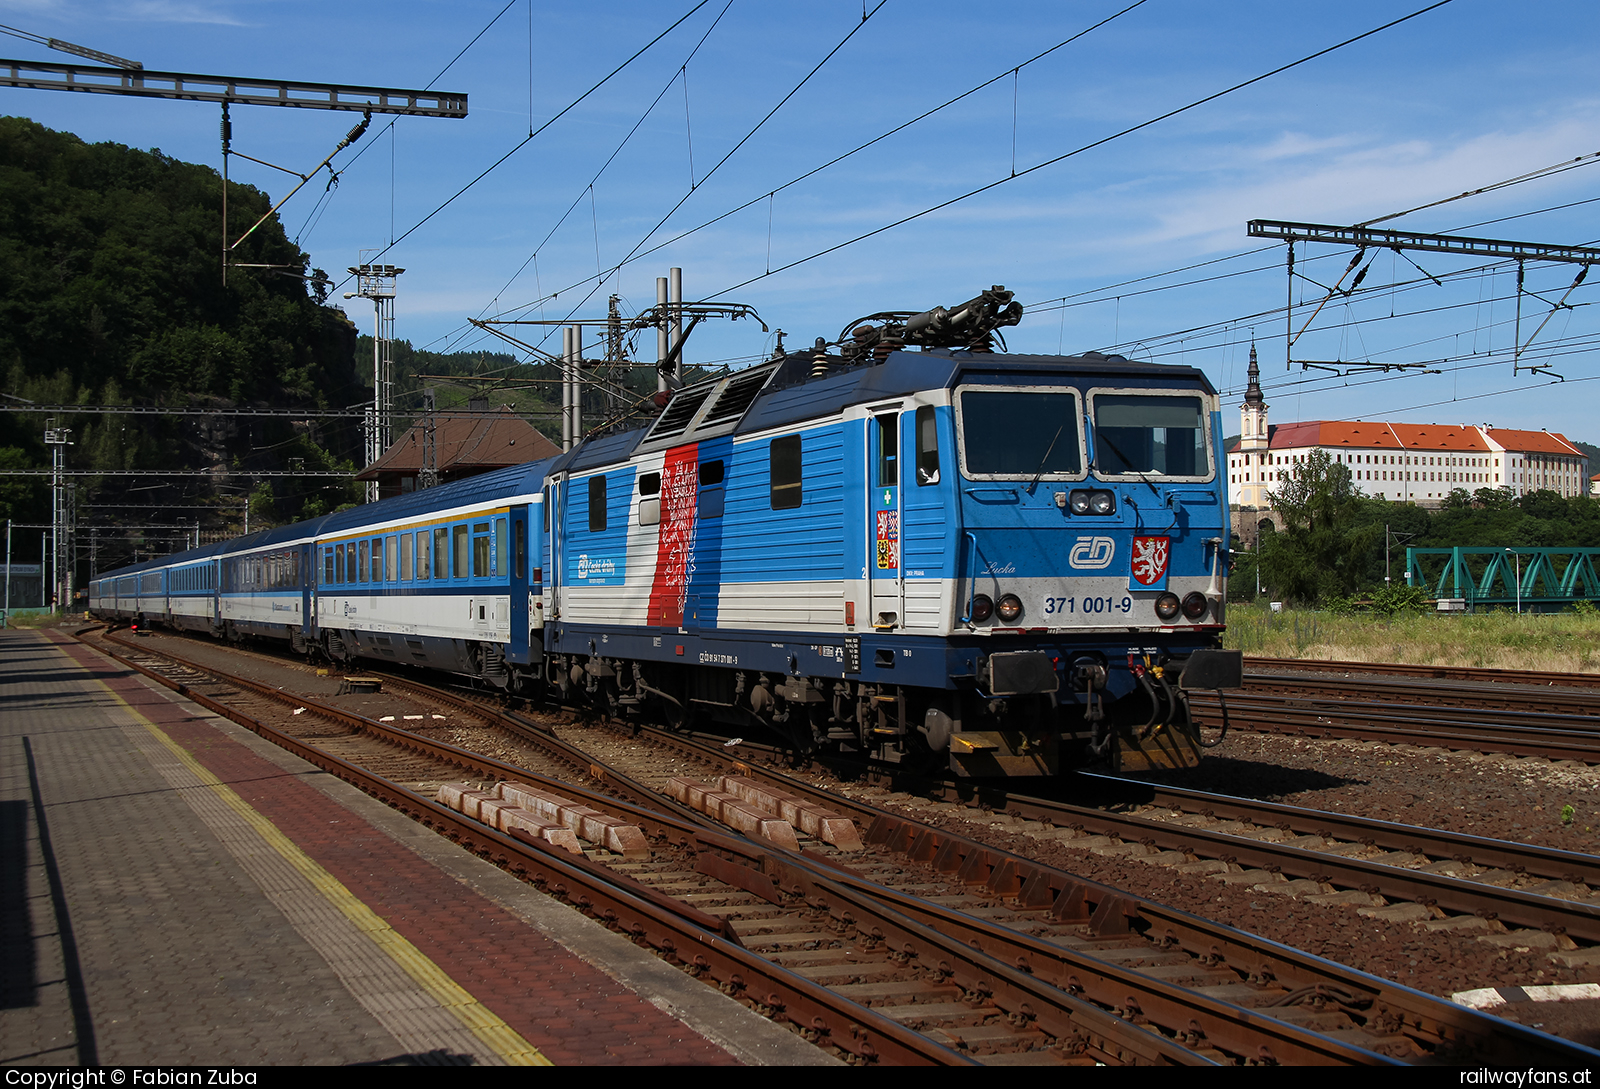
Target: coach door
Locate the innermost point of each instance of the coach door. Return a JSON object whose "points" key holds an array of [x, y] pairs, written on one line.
{"points": [[885, 587], [521, 597]]}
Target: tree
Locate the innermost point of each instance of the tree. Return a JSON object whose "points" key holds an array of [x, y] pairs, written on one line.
{"points": [[1324, 546]]}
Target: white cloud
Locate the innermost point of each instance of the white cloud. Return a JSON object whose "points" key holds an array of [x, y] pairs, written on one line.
{"points": [[173, 11]]}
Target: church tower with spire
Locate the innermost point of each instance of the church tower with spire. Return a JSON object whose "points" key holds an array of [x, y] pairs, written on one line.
{"points": [[1253, 441]]}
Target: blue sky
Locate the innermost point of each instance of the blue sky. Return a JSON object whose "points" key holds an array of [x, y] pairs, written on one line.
{"points": [[1469, 94]]}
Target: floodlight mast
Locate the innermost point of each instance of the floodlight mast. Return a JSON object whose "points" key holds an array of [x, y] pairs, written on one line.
{"points": [[377, 282]]}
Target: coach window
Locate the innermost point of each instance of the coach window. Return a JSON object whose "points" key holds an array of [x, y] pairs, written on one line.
{"points": [[377, 559], [392, 553], [423, 563], [497, 550], [480, 549], [784, 455], [405, 557], [463, 554], [519, 537], [927, 446], [363, 561], [441, 553], [337, 552], [350, 563], [597, 504]]}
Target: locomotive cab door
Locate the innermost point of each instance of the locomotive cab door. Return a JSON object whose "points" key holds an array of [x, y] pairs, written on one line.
{"points": [[885, 585], [551, 535]]}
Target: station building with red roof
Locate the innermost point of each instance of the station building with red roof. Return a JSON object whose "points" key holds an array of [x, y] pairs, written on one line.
{"points": [[1405, 463]]}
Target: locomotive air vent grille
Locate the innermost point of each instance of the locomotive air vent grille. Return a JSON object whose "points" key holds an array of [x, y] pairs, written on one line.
{"points": [[737, 395], [679, 412]]}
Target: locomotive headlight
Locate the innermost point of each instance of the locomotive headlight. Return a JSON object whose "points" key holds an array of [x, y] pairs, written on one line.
{"points": [[982, 608], [1079, 502], [1195, 605], [1010, 608], [1167, 606], [1102, 502]]}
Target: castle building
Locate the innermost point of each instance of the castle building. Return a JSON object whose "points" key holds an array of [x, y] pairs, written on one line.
{"points": [[1405, 463]]}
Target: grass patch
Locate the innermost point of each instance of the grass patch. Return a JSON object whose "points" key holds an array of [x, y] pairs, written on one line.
{"points": [[1562, 642]]}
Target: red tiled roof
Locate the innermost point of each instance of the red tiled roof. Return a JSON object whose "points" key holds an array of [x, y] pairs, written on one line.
{"points": [[1534, 442], [466, 441]]}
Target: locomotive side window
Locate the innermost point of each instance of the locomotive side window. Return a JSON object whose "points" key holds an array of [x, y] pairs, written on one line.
{"points": [[597, 504], [927, 447], [786, 467], [711, 491], [1143, 434], [1019, 434], [649, 499], [519, 536]]}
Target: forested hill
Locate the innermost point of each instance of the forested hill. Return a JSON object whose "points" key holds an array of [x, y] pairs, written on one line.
{"points": [[111, 292]]}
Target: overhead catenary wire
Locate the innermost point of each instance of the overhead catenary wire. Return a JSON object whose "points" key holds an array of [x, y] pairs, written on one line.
{"points": [[535, 132], [969, 194], [769, 195]]}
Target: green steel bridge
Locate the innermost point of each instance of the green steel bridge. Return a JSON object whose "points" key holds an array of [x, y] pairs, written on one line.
{"points": [[1532, 579]]}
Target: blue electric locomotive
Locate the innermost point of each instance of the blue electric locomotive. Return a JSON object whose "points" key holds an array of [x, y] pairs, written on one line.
{"points": [[902, 544]]}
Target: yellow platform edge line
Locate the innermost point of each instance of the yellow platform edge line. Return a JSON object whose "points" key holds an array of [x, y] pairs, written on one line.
{"points": [[483, 1023]]}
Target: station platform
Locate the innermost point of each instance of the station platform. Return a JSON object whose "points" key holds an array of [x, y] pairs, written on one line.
{"points": [[175, 890]]}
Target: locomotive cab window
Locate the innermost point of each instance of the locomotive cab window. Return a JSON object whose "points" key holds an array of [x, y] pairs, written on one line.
{"points": [[1148, 434], [927, 447], [1019, 433], [888, 443]]}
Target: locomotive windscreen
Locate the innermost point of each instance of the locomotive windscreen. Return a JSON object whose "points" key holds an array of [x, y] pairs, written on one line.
{"points": [[1160, 435], [1020, 433]]}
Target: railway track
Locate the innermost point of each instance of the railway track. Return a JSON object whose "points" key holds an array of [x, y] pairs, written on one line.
{"points": [[1039, 967], [1526, 677], [1182, 946], [1519, 733]]}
